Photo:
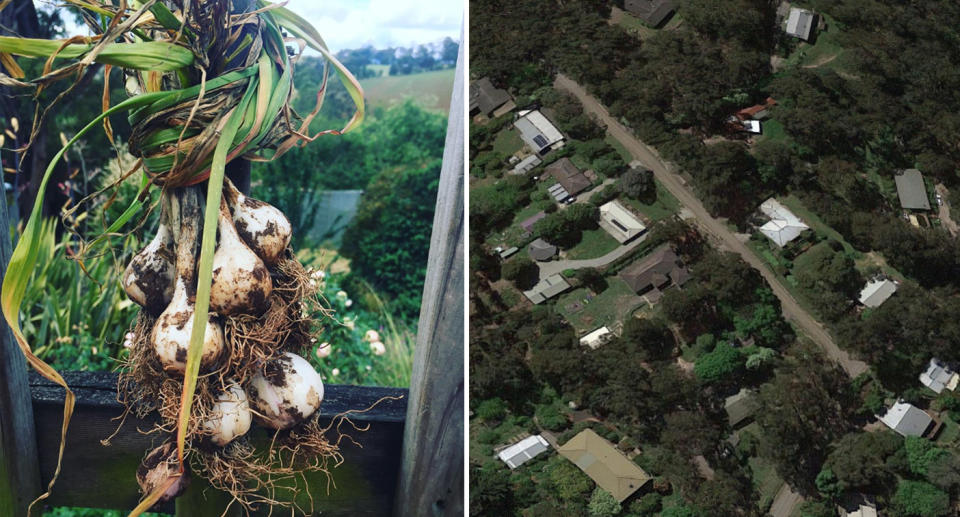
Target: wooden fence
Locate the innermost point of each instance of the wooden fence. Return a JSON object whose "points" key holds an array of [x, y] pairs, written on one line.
{"points": [[411, 460]]}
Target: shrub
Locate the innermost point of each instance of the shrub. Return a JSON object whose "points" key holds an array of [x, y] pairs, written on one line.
{"points": [[491, 410], [720, 364], [920, 499]]}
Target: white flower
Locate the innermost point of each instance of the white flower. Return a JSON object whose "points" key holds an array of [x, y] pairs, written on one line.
{"points": [[377, 348], [349, 323], [318, 274], [335, 372], [369, 367], [129, 336], [324, 350], [371, 336], [348, 303], [128, 344], [341, 295]]}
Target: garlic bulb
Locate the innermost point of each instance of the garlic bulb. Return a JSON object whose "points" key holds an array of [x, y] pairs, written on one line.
{"points": [[285, 392], [172, 330], [148, 279], [241, 283], [158, 468], [230, 416], [263, 227]]}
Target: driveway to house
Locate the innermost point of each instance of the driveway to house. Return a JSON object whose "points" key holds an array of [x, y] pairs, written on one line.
{"points": [[944, 214], [785, 502], [713, 226], [559, 266]]}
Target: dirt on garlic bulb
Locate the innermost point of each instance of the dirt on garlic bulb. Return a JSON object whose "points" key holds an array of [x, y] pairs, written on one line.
{"points": [[287, 391], [230, 416], [241, 282], [262, 226], [160, 467]]}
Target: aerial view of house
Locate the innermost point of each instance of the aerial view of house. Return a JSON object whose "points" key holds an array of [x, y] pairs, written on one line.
{"points": [[742, 258]]}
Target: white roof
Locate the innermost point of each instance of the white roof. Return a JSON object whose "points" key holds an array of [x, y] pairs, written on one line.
{"points": [[596, 338], [938, 376], [864, 511], [522, 451], [532, 124], [783, 226], [620, 222], [526, 164], [799, 23], [906, 419], [877, 291], [752, 126]]}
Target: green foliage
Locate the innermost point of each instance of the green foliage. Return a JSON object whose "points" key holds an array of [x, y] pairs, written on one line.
{"points": [[828, 279], [920, 499], [679, 511], [552, 416], [921, 453], [388, 251], [569, 483], [720, 364], [637, 183], [491, 410], [490, 492], [602, 504], [646, 505], [828, 484], [522, 271], [816, 509]]}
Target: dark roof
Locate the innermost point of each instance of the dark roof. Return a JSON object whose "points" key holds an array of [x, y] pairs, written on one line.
{"points": [[653, 12], [655, 270], [527, 224], [911, 190], [486, 97], [568, 175], [541, 250]]}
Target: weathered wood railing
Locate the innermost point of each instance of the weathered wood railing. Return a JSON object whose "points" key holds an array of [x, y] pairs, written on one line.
{"points": [[411, 460]]}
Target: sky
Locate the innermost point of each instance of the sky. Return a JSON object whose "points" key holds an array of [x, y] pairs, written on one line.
{"points": [[382, 23]]}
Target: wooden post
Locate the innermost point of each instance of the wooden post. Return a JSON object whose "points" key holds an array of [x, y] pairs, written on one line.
{"points": [[19, 468], [431, 475]]}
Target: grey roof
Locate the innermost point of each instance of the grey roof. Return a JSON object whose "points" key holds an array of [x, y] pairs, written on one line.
{"points": [[800, 23], [938, 376], [653, 12], [486, 97], [546, 289], [906, 419], [877, 291], [656, 270], [541, 250], [911, 190], [568, 175], [740, 407], [527, 224]]}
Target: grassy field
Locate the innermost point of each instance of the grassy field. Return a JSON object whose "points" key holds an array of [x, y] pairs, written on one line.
{"points": [[430, 90], [595, 243], [817, 224], [765, 480], [825, 53], [507, 142], [773, 131], [612, 305], [665, 205], [621, 150], [383, 70]]}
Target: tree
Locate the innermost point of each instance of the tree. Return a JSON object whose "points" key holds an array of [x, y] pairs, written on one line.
{"points": [[828, 279], [490, 492], [921, 453], [637, 183], [810, 508], [491, 410], [860, 461], [679, 511], [828, 484], [521, 271], [388, 251], [569, 483], [603, 504], [721, 364], [920, 499], [944, 471]]}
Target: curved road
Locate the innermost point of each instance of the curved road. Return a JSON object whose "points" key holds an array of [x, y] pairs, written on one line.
{"points": [[559, 266], [716, 228]]}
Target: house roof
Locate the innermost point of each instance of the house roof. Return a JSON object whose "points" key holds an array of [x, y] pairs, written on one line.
{"points": [[526, 164], [800, 23], [596, 338], [783, 226], [756, 111], [906, 419], [620, 222], [938, 376], [607, 466], [877, 291], [486, 97], [527, 224], [863, 511], [655, 270], [740, 407], [541, 250], [568, 175], [536, 131], [546, 289], [524, 450], [653, 12], [911, 190]]}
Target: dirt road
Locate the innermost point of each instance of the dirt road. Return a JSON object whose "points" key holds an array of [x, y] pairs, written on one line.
{"points": [[715, 227]]}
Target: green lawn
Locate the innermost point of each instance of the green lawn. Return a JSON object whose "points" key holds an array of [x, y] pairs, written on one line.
{"points": [[773, 131], [817, 224], [826, 53], [595, 243], [613, 305], [665, 206], [765, 481], [507, 142], [430, 90], [950, 432], [621, 150]]}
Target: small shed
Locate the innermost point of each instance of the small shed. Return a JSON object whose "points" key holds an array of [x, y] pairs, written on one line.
{"points": [[527, 224], [523, 451], [907, 419], [740, 407], [546, 289], [800, 23], [938, 376], [877, 291], [911, 190], [541, 250], [596, 338], [526, 165], [652, 12]]}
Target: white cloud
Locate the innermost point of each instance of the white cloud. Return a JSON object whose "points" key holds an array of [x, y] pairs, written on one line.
{"points": [[381, 23]]}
